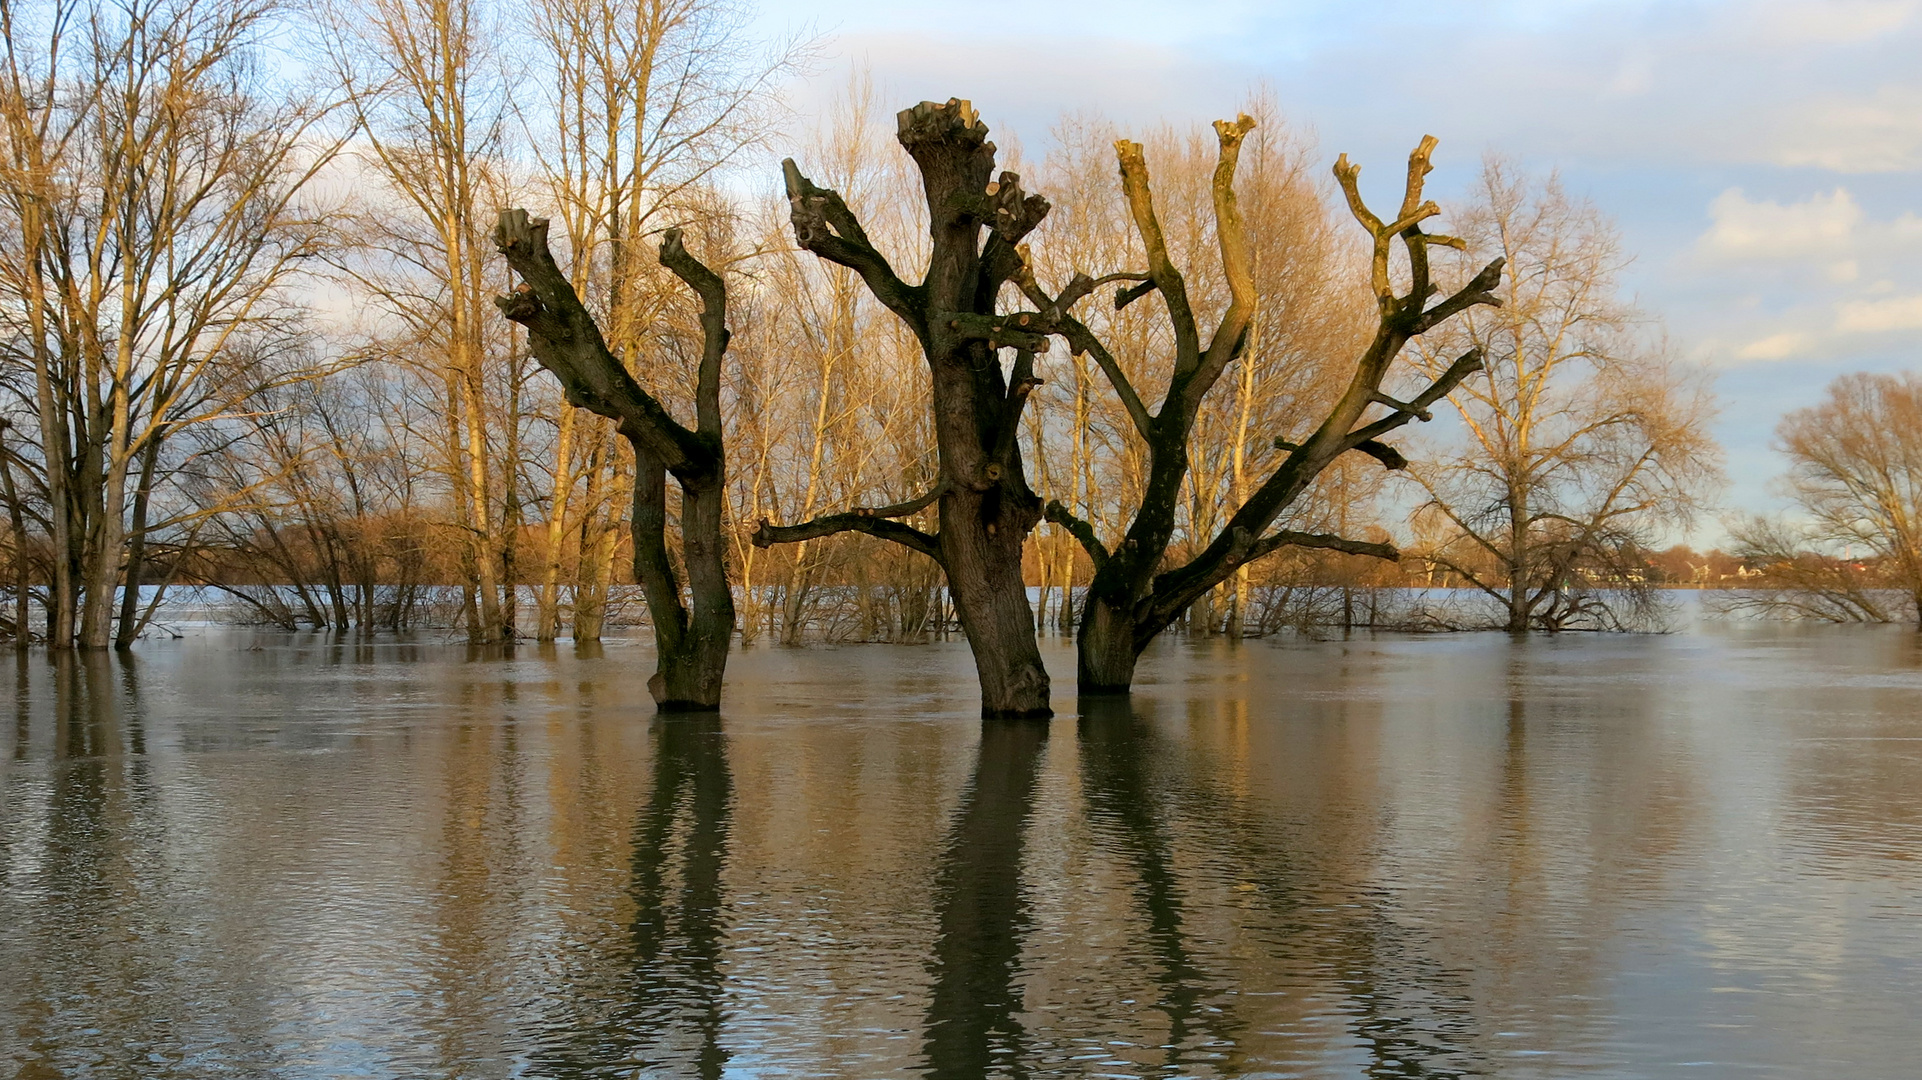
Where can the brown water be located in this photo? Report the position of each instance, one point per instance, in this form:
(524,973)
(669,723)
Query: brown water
(1626,857)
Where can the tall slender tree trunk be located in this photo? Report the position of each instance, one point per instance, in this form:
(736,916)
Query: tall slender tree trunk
(137,546)
(547,614)
(1519,613)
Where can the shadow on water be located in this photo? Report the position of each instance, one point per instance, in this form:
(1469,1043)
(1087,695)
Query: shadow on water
(982,910)
(665,1013)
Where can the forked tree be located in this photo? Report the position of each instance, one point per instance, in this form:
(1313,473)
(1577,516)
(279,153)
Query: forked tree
(692,636)
(1135,593)
(985,506)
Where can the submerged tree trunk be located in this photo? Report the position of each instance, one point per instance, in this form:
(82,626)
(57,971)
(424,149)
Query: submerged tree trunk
(691,640)
(137,547)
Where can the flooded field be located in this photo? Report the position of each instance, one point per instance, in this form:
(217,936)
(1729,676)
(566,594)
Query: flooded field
(268,855)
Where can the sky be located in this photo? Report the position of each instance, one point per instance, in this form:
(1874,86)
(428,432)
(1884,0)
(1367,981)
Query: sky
(1763,159)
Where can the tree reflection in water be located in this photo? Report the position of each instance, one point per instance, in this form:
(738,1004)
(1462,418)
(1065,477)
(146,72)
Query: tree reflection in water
(668,1014)
(1125,783)
(982,910)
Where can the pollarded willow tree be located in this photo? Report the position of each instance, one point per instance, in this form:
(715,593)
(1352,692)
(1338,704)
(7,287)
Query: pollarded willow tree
(1135,593)
(985,507)
(691,637)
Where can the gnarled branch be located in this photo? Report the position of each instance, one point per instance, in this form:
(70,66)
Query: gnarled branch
(1161,268)
(1389,457)
(1328,541)
(824,225)
(1465,365)
(1083,340)
(565,340)
(714,333)
(903,509)
(1479,290)
(1237,264)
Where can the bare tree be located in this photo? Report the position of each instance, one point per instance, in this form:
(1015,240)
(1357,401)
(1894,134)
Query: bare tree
(154,196)
(430,101)
(1856,477)
(1582,441)
(1134,595)
(1309,305)
(691,642)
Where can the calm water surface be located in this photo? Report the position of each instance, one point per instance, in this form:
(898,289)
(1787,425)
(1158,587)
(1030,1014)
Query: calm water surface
(281,856)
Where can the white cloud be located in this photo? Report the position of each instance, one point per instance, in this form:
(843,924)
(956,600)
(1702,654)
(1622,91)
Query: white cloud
(1879,316)
(1745,229)
(1833,21)
(1775,346)
(1876,133)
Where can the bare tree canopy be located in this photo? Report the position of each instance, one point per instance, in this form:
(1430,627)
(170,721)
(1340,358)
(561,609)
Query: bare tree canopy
(252,345)
(1853,553)
(153,202)
(1135,595)
(1581,441)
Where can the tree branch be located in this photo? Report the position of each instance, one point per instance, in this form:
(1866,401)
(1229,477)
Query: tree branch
(1237,264)
(903,509)
(1389,457)
(714,333)
(1465,365)
(1010,215)
(1083,340)
(564,339)
(1161,269)
(1479,290)
(767,535)
(824,225)
(1327,541)
(1080,530)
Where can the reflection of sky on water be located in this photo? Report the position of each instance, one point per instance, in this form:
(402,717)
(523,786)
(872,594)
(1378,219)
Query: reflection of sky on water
(1400,857)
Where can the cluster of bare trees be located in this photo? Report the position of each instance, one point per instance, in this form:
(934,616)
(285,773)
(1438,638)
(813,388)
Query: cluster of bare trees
(260,336)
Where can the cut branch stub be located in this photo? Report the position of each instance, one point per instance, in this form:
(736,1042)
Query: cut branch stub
(1013,214)
(1418,170)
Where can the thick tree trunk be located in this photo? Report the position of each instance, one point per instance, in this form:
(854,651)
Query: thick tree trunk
(106,545)
(982,554)
(690,647)
(1105,653)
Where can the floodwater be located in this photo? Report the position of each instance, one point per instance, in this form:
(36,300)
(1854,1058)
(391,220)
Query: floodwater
(284,856)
